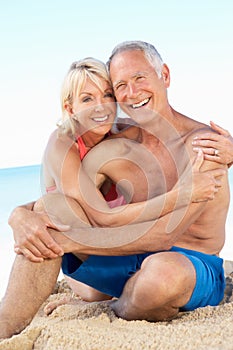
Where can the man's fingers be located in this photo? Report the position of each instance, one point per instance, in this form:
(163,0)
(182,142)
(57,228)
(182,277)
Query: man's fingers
(41,244)
(28,247)
(47,247)
(28,254)
(44,242)
(17,250)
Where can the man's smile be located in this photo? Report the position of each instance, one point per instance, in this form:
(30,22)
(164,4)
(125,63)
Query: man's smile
(140,104)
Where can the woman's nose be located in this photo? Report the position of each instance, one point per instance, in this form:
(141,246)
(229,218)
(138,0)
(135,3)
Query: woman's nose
(99,107)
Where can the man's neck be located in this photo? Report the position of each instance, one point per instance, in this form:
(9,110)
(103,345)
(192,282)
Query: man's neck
(161,126)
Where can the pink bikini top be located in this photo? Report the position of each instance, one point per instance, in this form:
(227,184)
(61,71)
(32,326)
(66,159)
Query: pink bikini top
(81,147)
(112,196)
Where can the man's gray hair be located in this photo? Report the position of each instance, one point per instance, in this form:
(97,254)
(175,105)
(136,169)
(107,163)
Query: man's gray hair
(149,50)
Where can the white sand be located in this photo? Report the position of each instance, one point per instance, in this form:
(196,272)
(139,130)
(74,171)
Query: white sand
(94,326)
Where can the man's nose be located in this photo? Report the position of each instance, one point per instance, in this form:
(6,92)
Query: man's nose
(132,89)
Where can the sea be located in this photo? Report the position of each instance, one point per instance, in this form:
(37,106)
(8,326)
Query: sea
(21,185)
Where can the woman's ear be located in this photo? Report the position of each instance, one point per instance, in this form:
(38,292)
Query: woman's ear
(166,75)
(68,108)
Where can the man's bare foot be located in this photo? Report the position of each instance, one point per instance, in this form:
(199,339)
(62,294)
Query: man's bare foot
(66,300)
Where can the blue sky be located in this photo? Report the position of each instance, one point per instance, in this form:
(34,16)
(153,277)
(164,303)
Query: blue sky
(40,39)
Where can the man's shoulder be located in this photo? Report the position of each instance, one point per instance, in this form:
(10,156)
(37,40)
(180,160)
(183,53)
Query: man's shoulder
(197,131)
(187,126)
(194,128)
(129,133)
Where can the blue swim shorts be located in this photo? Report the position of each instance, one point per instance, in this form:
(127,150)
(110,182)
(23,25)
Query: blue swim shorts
(108,274)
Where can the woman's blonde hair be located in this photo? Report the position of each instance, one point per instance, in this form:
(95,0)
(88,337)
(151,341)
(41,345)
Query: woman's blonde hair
(76,77)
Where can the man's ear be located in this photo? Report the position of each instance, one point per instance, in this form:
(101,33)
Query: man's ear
(166,75)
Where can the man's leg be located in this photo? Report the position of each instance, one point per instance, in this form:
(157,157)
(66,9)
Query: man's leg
(29,286)
(164,283)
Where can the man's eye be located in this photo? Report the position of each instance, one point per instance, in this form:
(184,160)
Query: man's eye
(120,86)
(140,78)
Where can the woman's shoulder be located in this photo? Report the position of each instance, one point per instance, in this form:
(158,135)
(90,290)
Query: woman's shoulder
(59,145)
(57,139)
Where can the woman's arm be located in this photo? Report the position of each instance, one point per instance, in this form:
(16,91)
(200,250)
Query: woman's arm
(216,147)
(34,248)
(63,161)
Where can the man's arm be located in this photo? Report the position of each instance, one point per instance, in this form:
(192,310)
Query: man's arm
(31,233)
(151,236)
(76,179)
(34,241)
(195,186)
(139,238)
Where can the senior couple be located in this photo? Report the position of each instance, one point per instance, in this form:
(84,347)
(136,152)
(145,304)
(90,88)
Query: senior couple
(134,210)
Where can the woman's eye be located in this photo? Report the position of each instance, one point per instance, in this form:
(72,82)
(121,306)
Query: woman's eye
(109,95)
(86,99)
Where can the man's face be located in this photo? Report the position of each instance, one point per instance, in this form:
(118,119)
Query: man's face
(137,87)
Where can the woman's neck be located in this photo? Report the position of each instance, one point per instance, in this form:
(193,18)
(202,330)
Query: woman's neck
(91,139)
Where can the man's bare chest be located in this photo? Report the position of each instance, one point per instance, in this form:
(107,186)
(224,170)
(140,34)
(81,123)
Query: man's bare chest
(145,172)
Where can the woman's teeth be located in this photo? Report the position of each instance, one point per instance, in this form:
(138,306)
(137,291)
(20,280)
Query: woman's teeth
(100,119)
(140,104)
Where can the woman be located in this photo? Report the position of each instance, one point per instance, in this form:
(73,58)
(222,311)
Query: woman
(89,108)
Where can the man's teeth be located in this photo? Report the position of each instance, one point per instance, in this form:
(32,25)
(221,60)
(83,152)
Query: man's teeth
(100,119)
(140,104)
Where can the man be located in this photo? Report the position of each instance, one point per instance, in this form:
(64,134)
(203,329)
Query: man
(176,255)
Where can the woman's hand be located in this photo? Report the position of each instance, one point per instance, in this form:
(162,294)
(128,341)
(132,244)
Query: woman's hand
(32,238)
(200,186)
(216,147)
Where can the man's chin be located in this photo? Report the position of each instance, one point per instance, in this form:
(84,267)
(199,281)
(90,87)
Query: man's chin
(141,115)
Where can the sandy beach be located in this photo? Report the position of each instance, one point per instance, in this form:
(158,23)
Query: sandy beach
(93,326)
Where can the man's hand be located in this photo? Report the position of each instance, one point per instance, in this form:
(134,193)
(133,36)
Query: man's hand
(32,238)
(201,186)
(216,147)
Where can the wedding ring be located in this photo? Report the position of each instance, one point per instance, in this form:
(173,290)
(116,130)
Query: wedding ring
(216,151)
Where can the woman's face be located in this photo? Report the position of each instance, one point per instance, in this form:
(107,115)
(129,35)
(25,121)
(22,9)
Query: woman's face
(94,107)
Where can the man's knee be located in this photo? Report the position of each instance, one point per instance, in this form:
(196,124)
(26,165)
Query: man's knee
(167,274)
